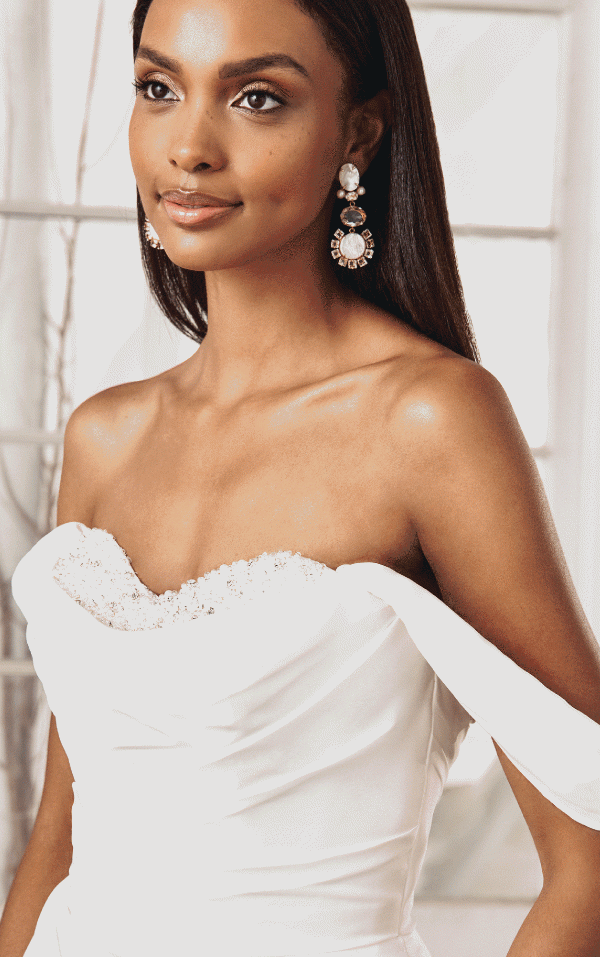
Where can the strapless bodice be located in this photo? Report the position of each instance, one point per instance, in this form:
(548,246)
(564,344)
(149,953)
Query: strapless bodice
(257,757)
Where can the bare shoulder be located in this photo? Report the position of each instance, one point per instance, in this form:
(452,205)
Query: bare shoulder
(107,415)
(448,403)
(453,426)
(432,400)
(98,435)
(449,383)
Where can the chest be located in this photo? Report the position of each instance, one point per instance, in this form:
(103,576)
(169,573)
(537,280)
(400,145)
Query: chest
(315,477)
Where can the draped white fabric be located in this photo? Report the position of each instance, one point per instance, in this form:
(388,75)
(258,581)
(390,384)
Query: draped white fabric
(261,779)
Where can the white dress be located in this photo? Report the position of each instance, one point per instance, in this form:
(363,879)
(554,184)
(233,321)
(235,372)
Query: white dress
(257,757)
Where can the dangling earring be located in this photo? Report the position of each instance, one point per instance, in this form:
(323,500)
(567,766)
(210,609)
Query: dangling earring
(351,249)
(151,236)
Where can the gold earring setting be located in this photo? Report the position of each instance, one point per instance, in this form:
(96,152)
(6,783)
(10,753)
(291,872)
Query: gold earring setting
(151,236)
(351,249)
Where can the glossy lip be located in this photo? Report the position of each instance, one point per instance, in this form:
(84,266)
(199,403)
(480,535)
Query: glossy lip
(193,197)
(192,215)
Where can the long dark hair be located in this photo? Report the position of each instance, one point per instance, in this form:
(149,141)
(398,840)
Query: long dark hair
(414,273)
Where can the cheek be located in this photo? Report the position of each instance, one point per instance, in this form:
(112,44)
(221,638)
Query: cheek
(297,171)
(144,147)
(135,147)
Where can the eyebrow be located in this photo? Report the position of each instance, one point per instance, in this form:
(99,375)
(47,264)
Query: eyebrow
(234,68)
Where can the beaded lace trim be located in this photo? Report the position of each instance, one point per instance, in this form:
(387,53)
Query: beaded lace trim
(98,575)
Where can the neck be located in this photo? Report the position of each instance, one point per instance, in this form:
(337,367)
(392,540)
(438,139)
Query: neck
(272,325)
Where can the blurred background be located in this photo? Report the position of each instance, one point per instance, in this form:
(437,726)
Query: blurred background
(515,88)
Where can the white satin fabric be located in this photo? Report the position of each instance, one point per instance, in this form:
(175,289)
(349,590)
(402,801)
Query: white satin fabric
(260,782)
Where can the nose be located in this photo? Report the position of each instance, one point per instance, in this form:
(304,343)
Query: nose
(195,143)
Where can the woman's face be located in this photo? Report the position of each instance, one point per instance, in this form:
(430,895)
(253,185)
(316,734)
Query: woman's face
(269,137)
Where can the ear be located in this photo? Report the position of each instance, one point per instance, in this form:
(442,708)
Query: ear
(369,122)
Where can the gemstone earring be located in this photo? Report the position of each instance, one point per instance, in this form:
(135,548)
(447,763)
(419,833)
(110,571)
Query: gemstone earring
(351,249)
(151,235)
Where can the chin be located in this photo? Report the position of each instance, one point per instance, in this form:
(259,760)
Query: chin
(188,260)
(191,258)
(185,254)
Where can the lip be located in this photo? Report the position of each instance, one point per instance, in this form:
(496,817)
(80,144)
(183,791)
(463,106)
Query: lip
(192,215)
(193,197)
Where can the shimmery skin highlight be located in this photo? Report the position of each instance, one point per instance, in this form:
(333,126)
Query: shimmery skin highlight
(206,24)
(420,410)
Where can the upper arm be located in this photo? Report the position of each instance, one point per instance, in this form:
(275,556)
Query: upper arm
(485,527)
(53,822)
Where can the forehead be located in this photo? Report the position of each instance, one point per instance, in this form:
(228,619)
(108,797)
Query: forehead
(203,34)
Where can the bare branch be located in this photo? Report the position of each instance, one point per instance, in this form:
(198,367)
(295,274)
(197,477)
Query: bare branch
(13,501)
(88,103)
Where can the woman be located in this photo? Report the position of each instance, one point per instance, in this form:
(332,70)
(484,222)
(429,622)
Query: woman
(367,554)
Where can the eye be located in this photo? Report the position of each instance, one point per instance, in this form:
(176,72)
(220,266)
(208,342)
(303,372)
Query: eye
(143,87)
(261,93)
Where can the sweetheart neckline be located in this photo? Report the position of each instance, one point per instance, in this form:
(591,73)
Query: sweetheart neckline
(78,609)
(224,567)
(44,549)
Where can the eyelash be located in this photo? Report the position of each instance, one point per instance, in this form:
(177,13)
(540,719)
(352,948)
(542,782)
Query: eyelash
(142,86)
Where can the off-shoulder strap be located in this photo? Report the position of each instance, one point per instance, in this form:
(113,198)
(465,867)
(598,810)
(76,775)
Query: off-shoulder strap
(553,744)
